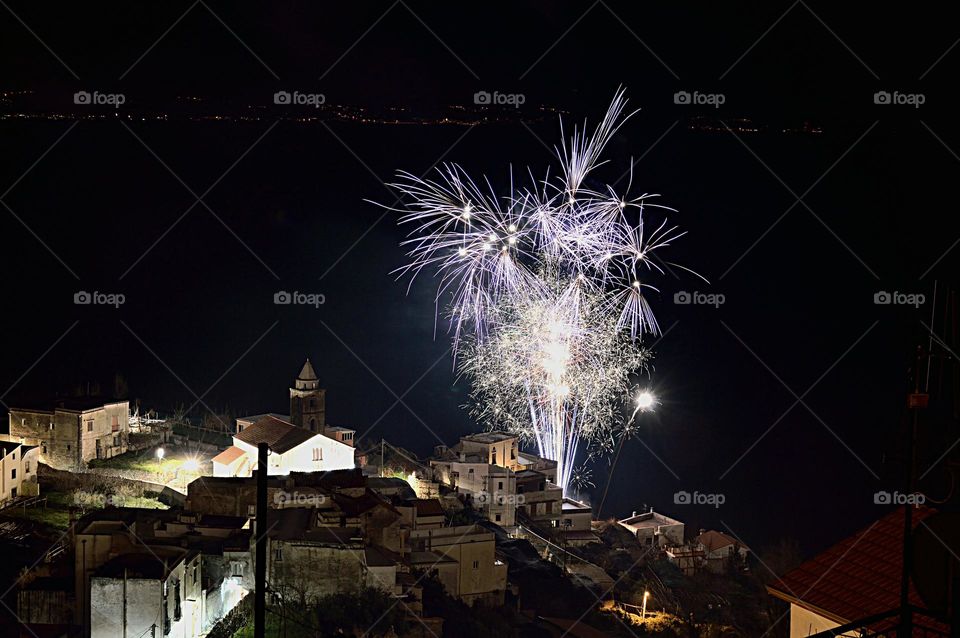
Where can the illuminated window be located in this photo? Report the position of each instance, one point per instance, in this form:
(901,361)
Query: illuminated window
(318,454)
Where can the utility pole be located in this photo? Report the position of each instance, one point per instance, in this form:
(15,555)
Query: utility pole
(260,572)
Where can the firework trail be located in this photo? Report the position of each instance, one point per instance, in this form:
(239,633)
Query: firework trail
(546,289)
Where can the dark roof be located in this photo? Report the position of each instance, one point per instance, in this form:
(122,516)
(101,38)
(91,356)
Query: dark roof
(8,446)
(280,435)
(355,506)
(74,404)
(253,418)
(296,524)
(857,577)
(378,558)
(154,565)
(428,507)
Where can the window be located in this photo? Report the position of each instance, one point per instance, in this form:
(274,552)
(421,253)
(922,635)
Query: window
(13,473)
(278,553)
(313,403)
(493,456)
(116,441)
(89,426)
(470,471)
(68,447)
(14,456)
(513,454)
(177,614)
(236,568)
(26,467)
(52,427)
(499,485)
(497,516)
(115,424)
(43,448)
(251,511)
(476,564)
(318,454)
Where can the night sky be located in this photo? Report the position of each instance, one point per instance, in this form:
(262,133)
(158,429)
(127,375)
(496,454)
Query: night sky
(797,225)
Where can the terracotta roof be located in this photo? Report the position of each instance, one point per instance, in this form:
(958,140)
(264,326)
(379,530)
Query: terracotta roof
(229,455)
(713,540)
(280,435)
(857,577)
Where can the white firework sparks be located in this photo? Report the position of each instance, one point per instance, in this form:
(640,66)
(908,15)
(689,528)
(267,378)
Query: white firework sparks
(547,293)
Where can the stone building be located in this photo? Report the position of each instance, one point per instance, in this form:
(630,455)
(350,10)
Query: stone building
(72,432)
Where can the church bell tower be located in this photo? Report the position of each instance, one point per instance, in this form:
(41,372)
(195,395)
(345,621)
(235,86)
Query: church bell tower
(308,400)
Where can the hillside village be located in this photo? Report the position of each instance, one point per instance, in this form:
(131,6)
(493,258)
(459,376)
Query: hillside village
(153,532)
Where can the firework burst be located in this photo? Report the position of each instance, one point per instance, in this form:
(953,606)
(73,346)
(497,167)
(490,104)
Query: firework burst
(546,290)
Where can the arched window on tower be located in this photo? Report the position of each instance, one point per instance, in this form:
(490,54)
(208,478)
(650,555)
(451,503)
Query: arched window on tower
(313,403)
(313,425)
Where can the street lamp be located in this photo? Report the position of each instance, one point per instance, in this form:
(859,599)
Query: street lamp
(643,614)
(645,401)
(160,454)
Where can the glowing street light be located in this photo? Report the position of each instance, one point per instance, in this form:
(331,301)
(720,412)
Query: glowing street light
(160,453)
(643,613)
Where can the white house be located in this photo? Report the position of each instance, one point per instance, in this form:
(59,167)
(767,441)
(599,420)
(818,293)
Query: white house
(18,470)
(652,528)
(718,548)
(292,449)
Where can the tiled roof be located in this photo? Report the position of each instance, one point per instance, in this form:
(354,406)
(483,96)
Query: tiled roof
(857,577)
(280,435)
(713,540)
(229,455)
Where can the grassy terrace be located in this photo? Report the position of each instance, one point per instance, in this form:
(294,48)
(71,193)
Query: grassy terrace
(56,514)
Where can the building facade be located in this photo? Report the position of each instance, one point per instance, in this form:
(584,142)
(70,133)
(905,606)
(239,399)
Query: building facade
(18,470)
(292,449)
(73,432)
